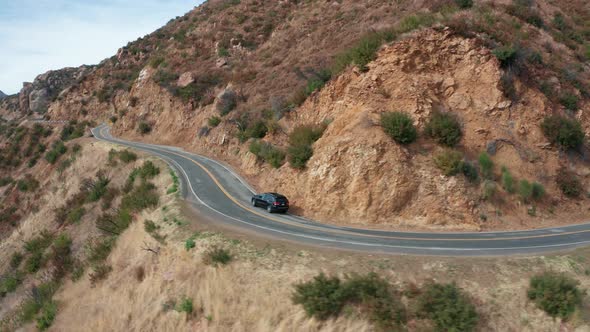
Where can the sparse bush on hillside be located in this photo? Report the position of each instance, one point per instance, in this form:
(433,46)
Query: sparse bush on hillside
(144,127)
(325,297)
(507,55)
(227,102)
(449,162)
(156,62)
(300,144)
(127,156)
(556,294)
(508,181)
(444,128)
(525,190)
(538,191)
(563,131)
(464,4)
(399,126)
(6,181)
(363,52)
(470,171)
(186,305)
(267,152)
(48,313)
(217,256)
(114,223)
(488,190)
(569,101)
(255,129)
(56,151)
(448,307)
(214,121)
(16,259)
(486,165)
(569,183)
(142,197)
(27,184)
(99,272)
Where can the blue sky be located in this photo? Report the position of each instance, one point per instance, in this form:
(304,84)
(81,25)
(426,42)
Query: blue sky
(39,35)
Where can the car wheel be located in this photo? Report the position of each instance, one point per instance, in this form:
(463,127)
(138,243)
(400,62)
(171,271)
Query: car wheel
(269,209)
(254,202)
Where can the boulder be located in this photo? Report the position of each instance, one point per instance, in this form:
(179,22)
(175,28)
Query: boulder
(185,79)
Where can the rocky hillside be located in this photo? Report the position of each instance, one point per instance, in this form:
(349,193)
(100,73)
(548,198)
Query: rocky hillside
(237,79)
(2,94)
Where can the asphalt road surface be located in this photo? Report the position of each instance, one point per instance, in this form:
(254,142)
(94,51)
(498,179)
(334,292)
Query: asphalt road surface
(218,191)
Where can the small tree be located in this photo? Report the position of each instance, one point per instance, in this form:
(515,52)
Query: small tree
(508,181)
(568,182)
(538,191)
(556,294)
(399,126)
(449,161)
(525,190)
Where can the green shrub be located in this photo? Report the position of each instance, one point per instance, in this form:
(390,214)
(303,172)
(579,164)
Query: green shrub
(363,52)
(189,243)
(156,62)
(27,184)
(464,4)
(5,181)
(321,298)
(127,156)
(449,162)
(214,121)
(507,55)
(48,313)
(75,215)
(56,151)
(175,183)
(9,284)
(98,249)
(525,190)
(508,181)
(43,295)
(99,272)
(444,128)
(217,256)
(227,102)
(488,190)
(148,170)
(569,101)
(39,243)
(150,226)
(538,191)
(556,294)
(563,131)
(448,307)
(470,171)
(569,183)
(399,126)
(97,188)
(486,165)
(186,305)
(34,262)
(142,197)
(300,141)
(267,152)
(144,127)
(15,260)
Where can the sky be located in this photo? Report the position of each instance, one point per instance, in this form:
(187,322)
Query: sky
(40,35)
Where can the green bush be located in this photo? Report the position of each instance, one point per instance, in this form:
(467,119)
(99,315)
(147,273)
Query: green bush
(363,52)
(9,284)
(144,127)
(142,197)
(464,4)
(75,215)
(563,131)
(34,262)
(556,294)
(399,126)
(508,181)
(321,298)
(486,165)
(98,249)
(186,305)
(470,171)
(300,141)
(56,151)
(97,188)
(127,156)
(449,162)
(5,181)
(15,260)
(525,190)
(148,170)
(48,313)
(189,243)
(217,256)
(444,128)
(448,307)
(488,190)
(99,272)
(43,296)
(507,55)
(39,243)
(569,101)
(27,184)
(214,121)
(267,152)
(538,191)
(569,183)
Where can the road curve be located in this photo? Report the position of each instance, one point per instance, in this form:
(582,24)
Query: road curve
(218,191)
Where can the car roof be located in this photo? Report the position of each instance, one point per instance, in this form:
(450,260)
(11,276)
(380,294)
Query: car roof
(276,195)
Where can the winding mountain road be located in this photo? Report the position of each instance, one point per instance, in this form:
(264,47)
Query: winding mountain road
(218,191)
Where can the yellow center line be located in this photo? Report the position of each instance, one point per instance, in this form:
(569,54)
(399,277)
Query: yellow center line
(269,217)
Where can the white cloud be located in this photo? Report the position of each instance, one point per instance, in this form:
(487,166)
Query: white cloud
(39,35)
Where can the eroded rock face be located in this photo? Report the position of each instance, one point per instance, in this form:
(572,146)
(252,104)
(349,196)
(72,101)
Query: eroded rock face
(2,94)
(36,96)
(185,79)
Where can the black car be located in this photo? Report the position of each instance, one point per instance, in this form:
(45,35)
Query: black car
(273,202)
